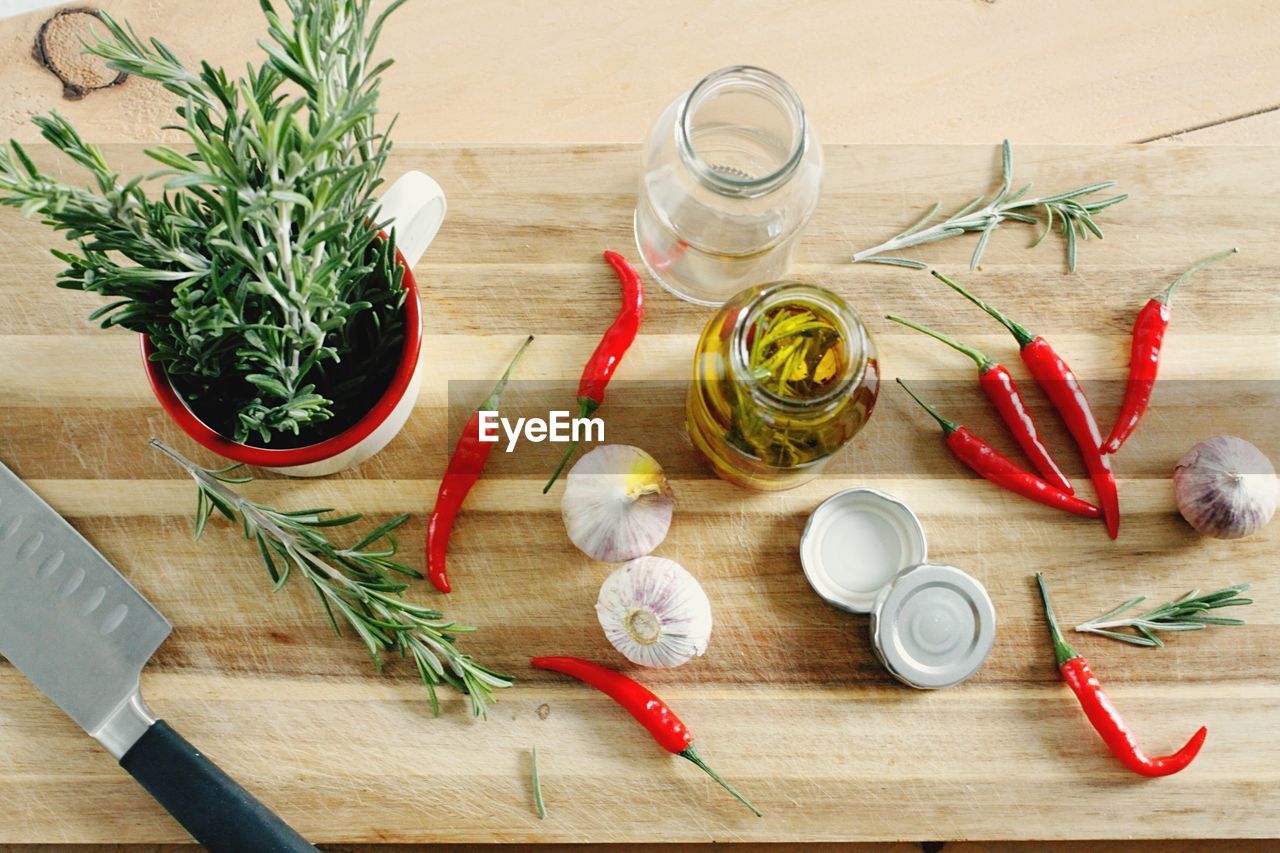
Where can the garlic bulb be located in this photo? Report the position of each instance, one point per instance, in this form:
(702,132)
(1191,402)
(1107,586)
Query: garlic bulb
(617,503)
(1226,487)
(655,612)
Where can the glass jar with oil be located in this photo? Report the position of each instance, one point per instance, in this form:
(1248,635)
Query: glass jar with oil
(784,375)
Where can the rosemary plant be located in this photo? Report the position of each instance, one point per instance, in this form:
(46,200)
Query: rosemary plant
(254,271)
(355,582)
(1188,613)
(1069,210)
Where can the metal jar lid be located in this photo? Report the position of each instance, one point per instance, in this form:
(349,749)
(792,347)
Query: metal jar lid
(856,541)
(933,626)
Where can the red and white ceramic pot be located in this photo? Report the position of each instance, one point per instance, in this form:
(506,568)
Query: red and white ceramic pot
(415,206)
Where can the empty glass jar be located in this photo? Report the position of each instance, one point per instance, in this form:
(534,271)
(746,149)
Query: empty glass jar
(732,172)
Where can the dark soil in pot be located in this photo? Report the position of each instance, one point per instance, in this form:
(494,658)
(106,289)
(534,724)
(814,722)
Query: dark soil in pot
(373,340)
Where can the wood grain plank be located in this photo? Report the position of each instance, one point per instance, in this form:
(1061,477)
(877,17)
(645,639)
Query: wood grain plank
(1095,846)
(810,847)
(505,246)
(613,788)
(789,701)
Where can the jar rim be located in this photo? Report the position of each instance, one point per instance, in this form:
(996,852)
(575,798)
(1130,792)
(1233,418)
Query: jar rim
(718,180)
(826,299)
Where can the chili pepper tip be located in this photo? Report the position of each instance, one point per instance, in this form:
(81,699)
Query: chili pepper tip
(1197,739)
(1167,765)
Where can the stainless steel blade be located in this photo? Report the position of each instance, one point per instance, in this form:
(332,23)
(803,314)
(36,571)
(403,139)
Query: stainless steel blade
(70,622)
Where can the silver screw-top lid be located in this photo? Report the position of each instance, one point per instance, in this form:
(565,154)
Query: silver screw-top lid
(856,541)
(933,626)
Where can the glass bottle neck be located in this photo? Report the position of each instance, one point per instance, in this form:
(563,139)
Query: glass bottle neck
(742,131)
(822,302)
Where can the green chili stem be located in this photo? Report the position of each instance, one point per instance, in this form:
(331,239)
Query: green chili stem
(1020,332)
(979,358)
(1167,294)
(585,407)
(948,426)
(490,403)
(1061,649)
(691,754)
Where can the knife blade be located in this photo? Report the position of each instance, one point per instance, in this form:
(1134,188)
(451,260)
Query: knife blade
(81,633)
(70,622)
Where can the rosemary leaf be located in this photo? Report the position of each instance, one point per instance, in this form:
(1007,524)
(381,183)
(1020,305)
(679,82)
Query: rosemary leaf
(985,216)
(354,582)
(1188,613)
(1137,640)
(1149,635)
(537,785)
(1215,620)
(923,221)
(898,262)
(1133,602)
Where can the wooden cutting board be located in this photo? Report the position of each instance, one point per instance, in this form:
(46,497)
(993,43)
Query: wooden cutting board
(789,702)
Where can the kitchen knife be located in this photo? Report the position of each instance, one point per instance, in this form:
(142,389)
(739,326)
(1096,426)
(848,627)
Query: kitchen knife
(74,626)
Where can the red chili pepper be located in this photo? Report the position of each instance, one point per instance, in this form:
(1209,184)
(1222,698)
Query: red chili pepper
(608,353)
(463,471)
(999,469)
(997,383)
(1103,715)
(1144,357)
(1060,385)
(650,711)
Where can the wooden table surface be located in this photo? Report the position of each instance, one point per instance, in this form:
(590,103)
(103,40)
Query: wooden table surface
(908,71)
(789,702)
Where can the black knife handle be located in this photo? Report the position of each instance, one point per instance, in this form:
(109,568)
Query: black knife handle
(217,812)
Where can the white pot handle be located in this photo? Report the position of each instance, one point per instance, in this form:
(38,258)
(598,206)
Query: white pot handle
(415,207)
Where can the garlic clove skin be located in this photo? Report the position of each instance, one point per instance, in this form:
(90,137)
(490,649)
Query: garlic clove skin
(1225,487)
(655,613)
(617,503)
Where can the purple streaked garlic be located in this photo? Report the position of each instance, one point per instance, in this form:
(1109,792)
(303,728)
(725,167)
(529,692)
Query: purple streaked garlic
(654,612)
(1225,487)
(617,503)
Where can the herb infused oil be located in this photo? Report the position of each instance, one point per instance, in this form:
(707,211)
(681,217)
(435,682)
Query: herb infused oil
(784,375)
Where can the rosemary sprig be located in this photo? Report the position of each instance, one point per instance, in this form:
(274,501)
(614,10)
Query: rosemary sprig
(252,269)
(1189,613)
(1069,210)
(784,343)
(354,581)
(537,786)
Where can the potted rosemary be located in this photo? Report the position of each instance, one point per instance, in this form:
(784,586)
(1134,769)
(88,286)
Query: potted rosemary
(274,293)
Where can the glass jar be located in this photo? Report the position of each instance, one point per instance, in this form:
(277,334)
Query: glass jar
(731,174)
(783,376)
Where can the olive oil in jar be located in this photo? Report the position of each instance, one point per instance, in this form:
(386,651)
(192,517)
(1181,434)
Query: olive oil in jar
(784,375)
